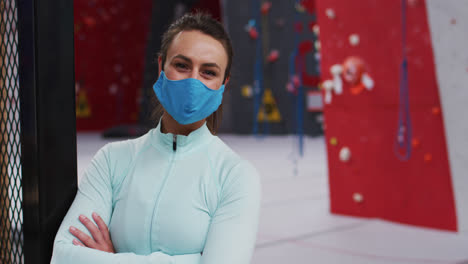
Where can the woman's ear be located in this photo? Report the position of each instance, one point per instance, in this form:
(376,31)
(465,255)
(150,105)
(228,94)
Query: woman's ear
(160,65)
(227,80)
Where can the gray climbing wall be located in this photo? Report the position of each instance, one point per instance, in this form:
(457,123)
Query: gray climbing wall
(278,27)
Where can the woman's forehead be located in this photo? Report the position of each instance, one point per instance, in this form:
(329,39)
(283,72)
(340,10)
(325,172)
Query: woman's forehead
(199,47)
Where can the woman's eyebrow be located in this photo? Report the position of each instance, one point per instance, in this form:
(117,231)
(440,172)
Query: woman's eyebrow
(212,64)
(180,56)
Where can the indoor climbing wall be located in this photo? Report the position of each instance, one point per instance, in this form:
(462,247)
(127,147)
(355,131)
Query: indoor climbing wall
(449,23)
(275,74)
(386,126)
(110,43)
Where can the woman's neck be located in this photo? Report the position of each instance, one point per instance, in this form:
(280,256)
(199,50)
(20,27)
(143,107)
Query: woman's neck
(169,125)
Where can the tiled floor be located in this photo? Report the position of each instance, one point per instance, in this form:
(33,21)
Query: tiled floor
(295,224)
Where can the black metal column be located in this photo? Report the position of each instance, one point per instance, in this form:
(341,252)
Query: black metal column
(48,129)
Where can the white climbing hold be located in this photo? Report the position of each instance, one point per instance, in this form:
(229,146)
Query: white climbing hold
(354,39)
(336,71)
(327,87)
(358,198)
(345,154)
(330,13)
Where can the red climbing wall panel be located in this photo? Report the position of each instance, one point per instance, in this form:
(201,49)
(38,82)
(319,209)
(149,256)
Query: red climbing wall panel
(374,182)
(110,42)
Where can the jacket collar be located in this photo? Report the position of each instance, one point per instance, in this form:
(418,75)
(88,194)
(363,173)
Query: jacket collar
(194,140)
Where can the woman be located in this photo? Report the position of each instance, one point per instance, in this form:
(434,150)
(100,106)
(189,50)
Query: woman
(177,194)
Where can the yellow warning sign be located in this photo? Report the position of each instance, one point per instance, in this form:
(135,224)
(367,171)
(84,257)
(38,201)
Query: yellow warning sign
(82,106)
(269,111)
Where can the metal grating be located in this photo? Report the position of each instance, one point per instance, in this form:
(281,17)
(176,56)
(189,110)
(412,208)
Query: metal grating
(11,212)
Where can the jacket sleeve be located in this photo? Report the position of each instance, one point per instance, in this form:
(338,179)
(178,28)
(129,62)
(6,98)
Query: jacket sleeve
(95,195)
(233,230)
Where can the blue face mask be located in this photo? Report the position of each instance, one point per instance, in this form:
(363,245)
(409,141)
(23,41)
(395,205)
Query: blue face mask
(187,100)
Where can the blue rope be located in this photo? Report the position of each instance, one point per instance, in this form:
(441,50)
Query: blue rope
(404,133)
(258,68)
(300,94)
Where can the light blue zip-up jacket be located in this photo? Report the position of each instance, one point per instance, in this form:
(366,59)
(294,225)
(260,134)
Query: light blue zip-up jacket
(166,198)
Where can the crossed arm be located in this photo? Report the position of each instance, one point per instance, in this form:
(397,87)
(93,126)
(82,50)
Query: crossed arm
(84,237)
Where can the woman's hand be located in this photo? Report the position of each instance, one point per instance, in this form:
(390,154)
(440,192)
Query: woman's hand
(101,238)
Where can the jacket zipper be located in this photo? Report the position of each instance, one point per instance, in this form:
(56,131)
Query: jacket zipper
(156,207)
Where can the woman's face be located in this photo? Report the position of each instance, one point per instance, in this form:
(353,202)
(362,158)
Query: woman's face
(193,54)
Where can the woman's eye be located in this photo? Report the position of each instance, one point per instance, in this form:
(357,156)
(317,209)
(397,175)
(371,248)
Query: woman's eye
(181,66)
(210,73)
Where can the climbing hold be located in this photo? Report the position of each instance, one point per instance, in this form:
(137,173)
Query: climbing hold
(333,141)
(317,45)
(316,29)
(299,7)
(353,69)
(354,72)
(367,81)
(415,143)
(345,154)
(250,25)
(266,6)
(89,21)
(253,33)
(113,89)
(336,71)
(317,57)
(428,157)
(358,198)
(290,87)
(354,39)
(247,91)
(413,3)
(330,13)
(435,110)
(328,86)
(296,80)
(273,56)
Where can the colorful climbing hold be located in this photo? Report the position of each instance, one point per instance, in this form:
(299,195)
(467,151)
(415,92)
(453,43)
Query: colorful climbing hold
(247,91)
(333,141)
(316,29)
(415,143)
(428,157)
(253,33)
(265,9)
(273,56)
(300,8)
(296,80)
